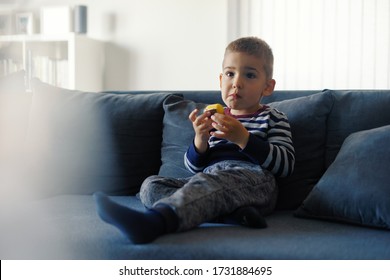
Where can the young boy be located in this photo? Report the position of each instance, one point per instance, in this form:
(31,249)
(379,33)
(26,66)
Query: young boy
(235,157)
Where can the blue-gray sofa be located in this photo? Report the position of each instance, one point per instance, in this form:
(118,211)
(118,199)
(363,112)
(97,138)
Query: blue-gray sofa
(65,145)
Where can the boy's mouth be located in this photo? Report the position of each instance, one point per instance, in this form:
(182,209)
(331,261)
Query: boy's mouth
(234,95)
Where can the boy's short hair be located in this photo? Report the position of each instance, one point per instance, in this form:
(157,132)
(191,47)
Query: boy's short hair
(256,47)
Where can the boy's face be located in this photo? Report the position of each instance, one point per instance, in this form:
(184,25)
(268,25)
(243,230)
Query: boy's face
(243,82)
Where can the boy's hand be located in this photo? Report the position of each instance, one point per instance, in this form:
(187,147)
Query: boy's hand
(230,129)
(202,125)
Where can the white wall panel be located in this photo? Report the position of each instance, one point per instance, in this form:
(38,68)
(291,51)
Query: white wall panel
(321,43)
(155,44)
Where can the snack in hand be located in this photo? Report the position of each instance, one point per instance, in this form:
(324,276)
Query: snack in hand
(215,108)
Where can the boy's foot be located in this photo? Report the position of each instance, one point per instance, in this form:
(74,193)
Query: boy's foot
(139,227)
(247,216)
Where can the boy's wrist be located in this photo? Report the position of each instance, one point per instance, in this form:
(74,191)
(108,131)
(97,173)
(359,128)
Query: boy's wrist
(201,146)
(244,140)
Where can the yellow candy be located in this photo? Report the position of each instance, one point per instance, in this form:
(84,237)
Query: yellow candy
(215,108)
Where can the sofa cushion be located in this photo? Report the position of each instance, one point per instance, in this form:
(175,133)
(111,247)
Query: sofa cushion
(355,188)
(14,109)
(70,229)
(80,142)
(177,135)
(307,116)
(354,111)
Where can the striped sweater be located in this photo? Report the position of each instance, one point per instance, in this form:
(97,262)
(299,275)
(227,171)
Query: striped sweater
(269,145)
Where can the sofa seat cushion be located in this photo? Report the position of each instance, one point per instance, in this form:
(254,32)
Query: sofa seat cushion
(307,116)
(355,188)
(69,228)
(82,142)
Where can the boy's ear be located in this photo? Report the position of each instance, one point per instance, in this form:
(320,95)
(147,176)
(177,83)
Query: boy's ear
(220,80)
(270,87)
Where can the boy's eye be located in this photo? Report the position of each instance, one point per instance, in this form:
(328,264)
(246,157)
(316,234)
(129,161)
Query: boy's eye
(251,75)
(229,74)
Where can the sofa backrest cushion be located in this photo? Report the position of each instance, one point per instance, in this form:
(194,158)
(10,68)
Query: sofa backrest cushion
(355,188)
(14,110)
(82,142)
(307,116)
(177,135)
(355,111)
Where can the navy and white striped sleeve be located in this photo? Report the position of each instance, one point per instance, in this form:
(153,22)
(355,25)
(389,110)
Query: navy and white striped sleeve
(194,161)
(277,153)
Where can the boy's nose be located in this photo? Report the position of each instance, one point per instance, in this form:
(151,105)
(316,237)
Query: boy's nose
(237,83)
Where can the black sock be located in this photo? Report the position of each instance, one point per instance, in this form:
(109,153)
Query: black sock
(139,227)
(248,216)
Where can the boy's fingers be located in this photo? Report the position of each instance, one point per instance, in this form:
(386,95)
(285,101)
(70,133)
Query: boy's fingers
(193,114)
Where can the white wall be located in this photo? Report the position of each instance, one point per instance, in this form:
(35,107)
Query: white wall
(179,44)
(320,43)
(156,44)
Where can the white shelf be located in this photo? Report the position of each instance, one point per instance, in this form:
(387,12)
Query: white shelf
(69,60)
(41,37)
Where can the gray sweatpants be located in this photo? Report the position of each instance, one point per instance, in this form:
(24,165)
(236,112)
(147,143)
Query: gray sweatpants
(217,191)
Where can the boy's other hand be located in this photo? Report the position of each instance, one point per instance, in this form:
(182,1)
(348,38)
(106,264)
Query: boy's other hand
(230,129)
(202,125)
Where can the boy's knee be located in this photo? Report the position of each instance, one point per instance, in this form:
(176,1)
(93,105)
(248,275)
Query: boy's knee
(146,191)
(150,179)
